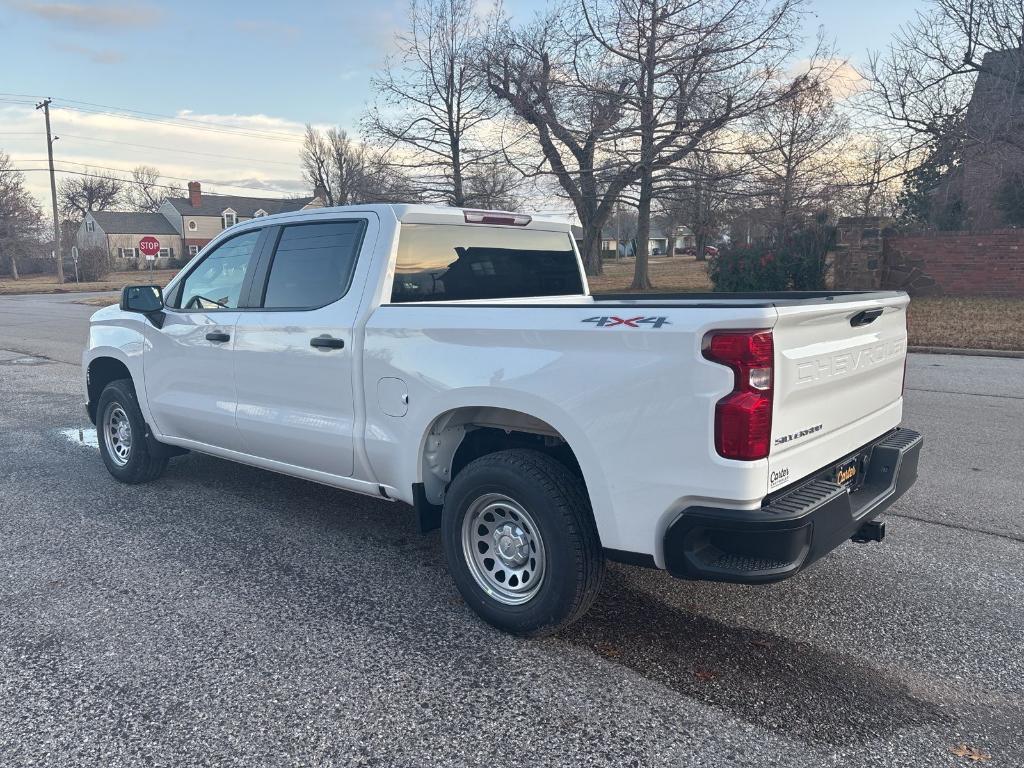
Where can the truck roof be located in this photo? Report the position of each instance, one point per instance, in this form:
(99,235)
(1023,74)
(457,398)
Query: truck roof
(419,213)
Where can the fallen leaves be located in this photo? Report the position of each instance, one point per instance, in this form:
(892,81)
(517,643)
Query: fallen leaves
(971,753)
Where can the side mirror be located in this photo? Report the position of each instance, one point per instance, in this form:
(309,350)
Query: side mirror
(147,300)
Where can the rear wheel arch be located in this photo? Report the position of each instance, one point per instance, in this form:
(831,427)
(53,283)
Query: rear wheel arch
(457,437)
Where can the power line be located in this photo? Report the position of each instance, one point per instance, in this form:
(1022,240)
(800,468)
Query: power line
(280,134)
(227,130)
(129,170)
(160,186)
(176,151)
(90,107)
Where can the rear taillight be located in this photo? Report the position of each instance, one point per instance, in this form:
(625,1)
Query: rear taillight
(743,418)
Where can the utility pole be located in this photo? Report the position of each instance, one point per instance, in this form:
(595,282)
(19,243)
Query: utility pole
(45,106)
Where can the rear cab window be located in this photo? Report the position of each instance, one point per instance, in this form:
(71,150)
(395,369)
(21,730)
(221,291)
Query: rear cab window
(450,262)
(313,264)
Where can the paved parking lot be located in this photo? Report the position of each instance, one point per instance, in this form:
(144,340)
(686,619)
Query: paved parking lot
(225,615)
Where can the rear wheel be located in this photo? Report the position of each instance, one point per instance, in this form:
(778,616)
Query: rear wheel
(521,543)
(122,435)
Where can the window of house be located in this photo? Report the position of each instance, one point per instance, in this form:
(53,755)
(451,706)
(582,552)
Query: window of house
(193,250)
(127,253)
(313,264)
(442,262)
(228,218)
(164,253)
(192,225)
(259,213)
(90,226)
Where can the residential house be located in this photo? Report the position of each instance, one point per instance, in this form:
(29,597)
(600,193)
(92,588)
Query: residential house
(120,232)
(199,218)
(657,242)
(183,225)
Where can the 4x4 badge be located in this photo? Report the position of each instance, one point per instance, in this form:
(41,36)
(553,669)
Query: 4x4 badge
(629,322)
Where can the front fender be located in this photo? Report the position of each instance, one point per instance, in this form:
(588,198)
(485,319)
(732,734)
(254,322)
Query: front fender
(117,335)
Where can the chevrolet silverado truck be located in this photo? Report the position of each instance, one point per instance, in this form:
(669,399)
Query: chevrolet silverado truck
(456,361)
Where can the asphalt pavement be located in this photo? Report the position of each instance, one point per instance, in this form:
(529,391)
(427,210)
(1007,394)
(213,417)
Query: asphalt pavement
(228,616)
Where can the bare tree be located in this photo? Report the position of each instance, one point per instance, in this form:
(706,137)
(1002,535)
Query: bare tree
(697,193)
(555,79)
(495,186)
(796,149)
(144,192)
(643,84)
(431,115)
(20,216)
(924,82)
(925,79)
(349,173)
(91,191)
(694,69)
(872,171)
(315,159)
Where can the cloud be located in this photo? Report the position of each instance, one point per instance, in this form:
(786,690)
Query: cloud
(96,56)
(79,16)
(842,77)
(265,163)
(847,82)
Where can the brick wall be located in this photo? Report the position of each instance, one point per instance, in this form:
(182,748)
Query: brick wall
(955,263)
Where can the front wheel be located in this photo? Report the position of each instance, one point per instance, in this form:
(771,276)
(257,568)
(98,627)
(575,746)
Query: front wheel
(121,433)
(521,542)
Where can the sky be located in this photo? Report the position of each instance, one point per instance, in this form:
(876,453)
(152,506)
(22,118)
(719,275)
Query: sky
(239,80)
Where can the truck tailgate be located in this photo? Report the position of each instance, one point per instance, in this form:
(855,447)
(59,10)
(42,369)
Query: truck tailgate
(838,381)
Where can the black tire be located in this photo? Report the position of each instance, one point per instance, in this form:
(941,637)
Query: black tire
(556,499)
(138,465)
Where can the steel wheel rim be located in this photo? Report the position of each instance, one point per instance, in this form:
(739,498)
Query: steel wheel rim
(117,434)
(503,549)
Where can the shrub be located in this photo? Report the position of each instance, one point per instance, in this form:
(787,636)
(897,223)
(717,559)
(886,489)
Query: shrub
(754,267)
(93,264)
(796,261)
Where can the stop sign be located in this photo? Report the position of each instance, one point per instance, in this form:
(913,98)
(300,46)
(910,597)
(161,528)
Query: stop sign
(149,246)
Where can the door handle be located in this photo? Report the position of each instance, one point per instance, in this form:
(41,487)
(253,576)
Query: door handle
(218,336)
(866,317)
(327,342)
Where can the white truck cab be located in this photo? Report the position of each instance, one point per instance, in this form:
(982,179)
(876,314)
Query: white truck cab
(456,361)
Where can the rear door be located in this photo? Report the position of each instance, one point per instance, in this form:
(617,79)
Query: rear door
(294,347)
(838,380)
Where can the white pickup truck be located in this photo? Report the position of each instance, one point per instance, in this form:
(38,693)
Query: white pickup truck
(455,360)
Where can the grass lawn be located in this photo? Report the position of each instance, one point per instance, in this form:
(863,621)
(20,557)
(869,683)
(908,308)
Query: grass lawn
(976,323)
(115,281)
(670,274)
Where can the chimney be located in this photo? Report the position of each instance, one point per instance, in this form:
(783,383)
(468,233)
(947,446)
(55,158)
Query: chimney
(195,194)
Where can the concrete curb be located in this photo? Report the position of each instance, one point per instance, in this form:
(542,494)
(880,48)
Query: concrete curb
(969,352)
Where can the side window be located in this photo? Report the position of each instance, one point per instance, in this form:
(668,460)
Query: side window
(216,282)
(444,262)
(313,264)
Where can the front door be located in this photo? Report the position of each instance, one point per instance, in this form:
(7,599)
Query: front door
(294,354)
(188,363)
